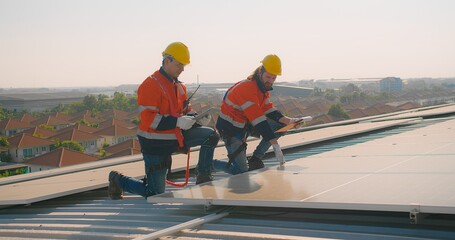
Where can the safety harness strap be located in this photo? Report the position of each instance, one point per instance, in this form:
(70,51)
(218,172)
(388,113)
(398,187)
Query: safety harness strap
(233,155)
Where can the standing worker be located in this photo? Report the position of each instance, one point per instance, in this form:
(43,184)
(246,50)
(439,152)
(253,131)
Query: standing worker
(247,110)
(166,126)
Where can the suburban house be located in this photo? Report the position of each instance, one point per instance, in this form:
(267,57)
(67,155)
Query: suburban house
(90,142)
(24,146)
(116,134)
(10,127)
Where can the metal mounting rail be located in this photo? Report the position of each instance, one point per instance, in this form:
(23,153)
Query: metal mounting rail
(185,225)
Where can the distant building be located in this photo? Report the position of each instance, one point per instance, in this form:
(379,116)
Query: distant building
(390,84)
(37,102)
(291,91)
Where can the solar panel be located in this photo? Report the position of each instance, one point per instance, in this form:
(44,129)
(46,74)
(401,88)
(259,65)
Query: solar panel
(83,180)
(423,112)
(412,171)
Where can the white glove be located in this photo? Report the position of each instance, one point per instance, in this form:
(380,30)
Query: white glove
(302,119)
(205,120)
(185,122)
(278,154)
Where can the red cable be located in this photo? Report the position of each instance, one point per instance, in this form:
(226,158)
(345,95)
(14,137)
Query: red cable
(187,173)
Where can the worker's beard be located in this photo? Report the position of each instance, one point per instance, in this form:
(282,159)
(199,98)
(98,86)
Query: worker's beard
(268,86)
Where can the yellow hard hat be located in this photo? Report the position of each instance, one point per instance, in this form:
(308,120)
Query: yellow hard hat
(179,52)
(272,64)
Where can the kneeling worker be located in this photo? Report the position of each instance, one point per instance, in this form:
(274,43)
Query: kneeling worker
(245,109)
(166,126)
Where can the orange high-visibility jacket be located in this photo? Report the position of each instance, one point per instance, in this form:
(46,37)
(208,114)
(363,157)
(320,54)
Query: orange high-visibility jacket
(154,98)
(247,102)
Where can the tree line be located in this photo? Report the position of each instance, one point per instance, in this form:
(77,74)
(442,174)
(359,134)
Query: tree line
(96,104)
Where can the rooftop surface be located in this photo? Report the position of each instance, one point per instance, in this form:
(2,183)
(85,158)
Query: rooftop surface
(336,168)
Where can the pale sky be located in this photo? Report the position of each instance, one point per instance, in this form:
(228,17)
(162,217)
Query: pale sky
(85,43)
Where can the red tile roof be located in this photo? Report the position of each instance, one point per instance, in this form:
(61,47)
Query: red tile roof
(27,117)
(408,105)
(40,132)
(114,121)
(76,135)
(86,115)
(62,116)
(325,118)
(61,157)
(124,152)
(79,126)
(356,113)
(26,140)
(50,121)
(114,113)
(384,108)
(130,143)
(115,131)
(371,111)
(10,124)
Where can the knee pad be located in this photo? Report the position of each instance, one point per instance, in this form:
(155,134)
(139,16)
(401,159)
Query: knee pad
(212,140)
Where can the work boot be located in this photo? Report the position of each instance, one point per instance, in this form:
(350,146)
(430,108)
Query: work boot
(203,178)
(115,192)
(254,163)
